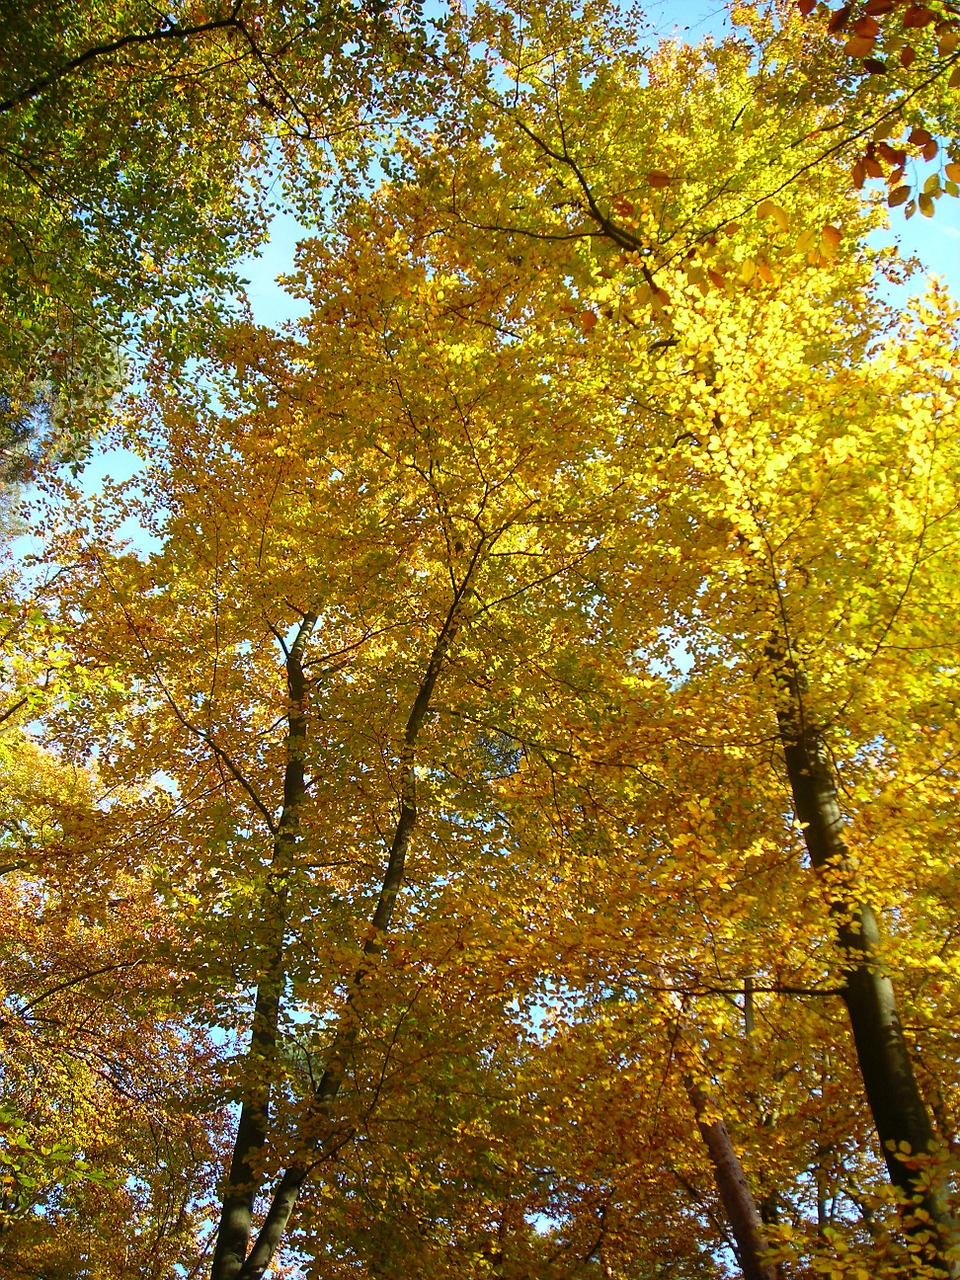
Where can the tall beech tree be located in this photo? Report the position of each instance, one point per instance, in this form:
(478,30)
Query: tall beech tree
(509,633)
(561,118)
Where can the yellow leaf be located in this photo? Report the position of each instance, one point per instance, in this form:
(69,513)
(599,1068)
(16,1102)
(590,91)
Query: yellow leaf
(767,209)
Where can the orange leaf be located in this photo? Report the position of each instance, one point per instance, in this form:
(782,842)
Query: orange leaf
(859,46)
(588,320)
(806,7)
(907,55)
(952,170)
(657,178)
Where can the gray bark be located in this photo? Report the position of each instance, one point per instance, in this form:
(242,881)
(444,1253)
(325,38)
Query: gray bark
(899,1112)
(237,1263)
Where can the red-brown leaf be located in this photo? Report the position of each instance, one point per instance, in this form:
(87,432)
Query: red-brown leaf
(839,19)
(918,15)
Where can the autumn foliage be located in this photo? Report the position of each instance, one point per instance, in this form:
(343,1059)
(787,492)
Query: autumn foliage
(481,800)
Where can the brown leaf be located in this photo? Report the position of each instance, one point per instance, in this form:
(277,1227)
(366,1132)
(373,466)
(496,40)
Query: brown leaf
(892,155)
(867,27)
(839,19)
(657,178)
(918,15)
(899,195)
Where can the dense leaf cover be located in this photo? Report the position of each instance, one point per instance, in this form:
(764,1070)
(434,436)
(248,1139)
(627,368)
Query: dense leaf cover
(498,816)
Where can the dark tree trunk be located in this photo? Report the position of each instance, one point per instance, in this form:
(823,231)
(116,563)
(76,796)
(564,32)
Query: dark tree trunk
(244,1181)
(899,1112)
(235,1257)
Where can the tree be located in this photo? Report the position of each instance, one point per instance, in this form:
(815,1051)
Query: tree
(561,114)
(140,152)
(404,685)
(101,1076)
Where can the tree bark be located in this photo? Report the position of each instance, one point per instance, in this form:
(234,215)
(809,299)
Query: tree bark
(899,1112)
(736,1197)
(735,1194)
(233,1261)
(244,1180)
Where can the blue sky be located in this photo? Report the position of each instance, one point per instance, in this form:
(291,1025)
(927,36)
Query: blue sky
(935,241)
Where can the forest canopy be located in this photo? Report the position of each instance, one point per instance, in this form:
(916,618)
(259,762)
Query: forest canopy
(481,800)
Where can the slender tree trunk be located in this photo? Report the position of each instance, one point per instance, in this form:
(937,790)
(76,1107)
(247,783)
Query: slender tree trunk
(232,1261)
(735,1194)
(899,1112)
(244,1179)
(736,1197)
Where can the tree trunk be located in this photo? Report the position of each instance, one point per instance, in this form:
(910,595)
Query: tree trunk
(736,1197)
(899,1112)
(235,1259)
(244,1180)
(735,1194)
